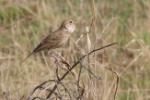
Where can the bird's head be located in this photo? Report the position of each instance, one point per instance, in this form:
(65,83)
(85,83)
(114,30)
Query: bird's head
(68,25)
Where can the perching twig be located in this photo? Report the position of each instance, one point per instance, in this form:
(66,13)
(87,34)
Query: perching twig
(58,82)
(74,65)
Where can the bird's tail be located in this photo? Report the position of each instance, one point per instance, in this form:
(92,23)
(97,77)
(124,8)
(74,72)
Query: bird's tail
(26,58)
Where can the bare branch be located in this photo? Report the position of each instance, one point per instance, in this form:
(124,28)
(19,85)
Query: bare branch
(75,64)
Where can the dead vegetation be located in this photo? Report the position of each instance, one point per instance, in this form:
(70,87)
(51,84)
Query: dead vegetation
(119,72)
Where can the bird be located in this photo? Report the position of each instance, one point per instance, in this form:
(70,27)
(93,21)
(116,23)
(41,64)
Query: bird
(56,39)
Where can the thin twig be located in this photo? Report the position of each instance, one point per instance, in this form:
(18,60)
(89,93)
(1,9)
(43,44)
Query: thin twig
(75,64)
(39,98)
(117,81)
(38,87)
(80,89)
(66,90)
(90,72)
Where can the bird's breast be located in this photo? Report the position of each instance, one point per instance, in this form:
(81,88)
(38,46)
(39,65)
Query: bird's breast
(64,39)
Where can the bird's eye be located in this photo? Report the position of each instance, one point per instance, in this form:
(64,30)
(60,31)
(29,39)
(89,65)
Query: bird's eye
(70,21)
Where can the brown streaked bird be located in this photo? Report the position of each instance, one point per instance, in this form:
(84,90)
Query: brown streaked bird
(56,39)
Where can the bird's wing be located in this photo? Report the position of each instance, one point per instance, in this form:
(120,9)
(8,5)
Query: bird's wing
(43,44)
(50,42)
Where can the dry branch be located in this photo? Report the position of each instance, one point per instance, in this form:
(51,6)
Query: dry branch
(55,90)
(75,64)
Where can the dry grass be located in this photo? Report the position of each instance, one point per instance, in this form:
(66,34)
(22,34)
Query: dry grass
(24,22)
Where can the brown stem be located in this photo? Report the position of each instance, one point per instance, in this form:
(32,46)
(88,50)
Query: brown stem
(74,65)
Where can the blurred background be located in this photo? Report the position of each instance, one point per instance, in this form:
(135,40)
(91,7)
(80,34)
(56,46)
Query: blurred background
(23,23)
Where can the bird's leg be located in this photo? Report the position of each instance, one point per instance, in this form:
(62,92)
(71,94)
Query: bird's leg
(59,59)
(66,64)
(56,61)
